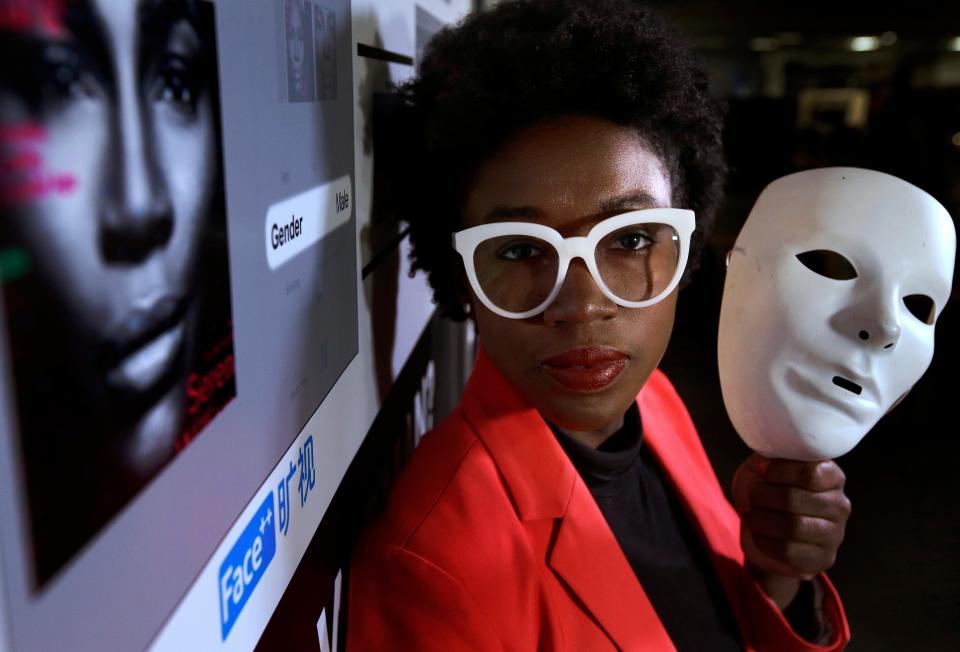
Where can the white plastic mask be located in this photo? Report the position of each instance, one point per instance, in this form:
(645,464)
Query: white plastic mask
(831,296)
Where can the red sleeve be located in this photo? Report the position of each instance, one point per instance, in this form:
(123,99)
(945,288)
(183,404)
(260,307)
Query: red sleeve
(771,631)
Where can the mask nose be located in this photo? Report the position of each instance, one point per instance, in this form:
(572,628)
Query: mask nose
(879,325)
(885,335)
(872,320)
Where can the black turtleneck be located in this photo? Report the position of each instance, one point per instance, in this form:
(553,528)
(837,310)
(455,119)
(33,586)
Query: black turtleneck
(656,537)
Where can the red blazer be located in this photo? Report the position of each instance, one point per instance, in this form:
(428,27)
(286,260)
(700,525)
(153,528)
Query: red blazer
(491,541)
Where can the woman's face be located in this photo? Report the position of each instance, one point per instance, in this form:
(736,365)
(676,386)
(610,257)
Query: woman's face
(582,361)
(122,111)
(295,39)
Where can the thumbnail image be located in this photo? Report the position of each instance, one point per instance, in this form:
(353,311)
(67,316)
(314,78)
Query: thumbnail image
(299,50)
(113,253)
(325,34)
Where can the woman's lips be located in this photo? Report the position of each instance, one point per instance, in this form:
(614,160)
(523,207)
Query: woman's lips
(141,369)
(586,370)
(145,344)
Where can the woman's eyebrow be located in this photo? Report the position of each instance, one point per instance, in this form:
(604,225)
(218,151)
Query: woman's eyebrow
(639,199)
(83,35)
(157,18)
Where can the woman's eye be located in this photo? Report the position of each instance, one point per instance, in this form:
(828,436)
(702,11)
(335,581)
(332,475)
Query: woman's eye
(828,263)
(519,251)
(636,241)
(65,77)
(177,84)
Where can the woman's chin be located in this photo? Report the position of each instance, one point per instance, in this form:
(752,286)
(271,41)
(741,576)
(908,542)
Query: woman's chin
(151,440)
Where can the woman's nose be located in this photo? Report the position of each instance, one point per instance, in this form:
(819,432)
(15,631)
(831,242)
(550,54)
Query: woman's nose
(580,299)
(137,215)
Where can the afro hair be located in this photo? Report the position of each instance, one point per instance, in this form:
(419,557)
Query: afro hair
(526,61)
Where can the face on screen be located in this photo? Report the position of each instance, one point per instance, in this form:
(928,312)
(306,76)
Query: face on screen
(113,253)
(110,149)
(295,40)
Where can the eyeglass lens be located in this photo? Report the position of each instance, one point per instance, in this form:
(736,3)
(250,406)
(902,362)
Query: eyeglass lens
(636,262)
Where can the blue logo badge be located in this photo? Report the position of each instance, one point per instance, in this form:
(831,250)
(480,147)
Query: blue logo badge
(246,563)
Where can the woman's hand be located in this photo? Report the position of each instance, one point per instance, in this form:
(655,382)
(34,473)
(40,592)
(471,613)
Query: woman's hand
(793,515)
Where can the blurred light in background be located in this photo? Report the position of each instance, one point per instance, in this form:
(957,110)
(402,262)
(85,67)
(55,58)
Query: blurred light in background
(864,43)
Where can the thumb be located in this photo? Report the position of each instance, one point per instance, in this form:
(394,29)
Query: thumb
(752,469)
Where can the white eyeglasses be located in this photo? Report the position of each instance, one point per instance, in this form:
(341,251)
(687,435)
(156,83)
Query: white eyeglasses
(517,268)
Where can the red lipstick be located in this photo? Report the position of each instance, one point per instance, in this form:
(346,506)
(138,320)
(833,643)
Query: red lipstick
(586,370)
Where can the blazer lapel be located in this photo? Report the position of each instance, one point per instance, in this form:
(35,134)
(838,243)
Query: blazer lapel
(672,438)
(544,485)
(535,470)
(588,558)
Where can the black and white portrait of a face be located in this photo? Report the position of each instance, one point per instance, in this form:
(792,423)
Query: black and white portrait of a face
(299,48)
(113,241)
(325,33)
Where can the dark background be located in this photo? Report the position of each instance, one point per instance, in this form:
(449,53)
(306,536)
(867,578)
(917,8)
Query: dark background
(899,567)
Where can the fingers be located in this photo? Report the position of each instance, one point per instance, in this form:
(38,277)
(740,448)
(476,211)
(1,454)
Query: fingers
(748,473)
(805,488)
(832,504)
(812,476)
(792,528)
(771,558)
(788,559)
(793,514)
(804,560)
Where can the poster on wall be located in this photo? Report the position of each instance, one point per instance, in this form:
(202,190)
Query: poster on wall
(178,290)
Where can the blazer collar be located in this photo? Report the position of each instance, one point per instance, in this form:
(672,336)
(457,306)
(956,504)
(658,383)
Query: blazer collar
(687,466)
(544,484)
(535,469)
(688,469)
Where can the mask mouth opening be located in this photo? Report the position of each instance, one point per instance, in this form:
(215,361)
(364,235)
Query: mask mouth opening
(848,385)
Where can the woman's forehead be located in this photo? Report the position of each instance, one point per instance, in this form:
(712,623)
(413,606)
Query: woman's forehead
(567,168)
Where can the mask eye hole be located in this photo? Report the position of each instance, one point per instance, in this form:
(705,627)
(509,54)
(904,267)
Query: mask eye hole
(828,263)
(920,306)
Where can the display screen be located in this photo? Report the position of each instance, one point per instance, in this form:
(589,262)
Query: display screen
(179,294)
(115,261)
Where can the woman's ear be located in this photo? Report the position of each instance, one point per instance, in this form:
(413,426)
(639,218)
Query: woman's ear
(466,300)
(461,285)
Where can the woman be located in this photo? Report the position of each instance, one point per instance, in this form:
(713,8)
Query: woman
(567,503)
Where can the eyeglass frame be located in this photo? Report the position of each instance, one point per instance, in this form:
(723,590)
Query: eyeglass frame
(682,220)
